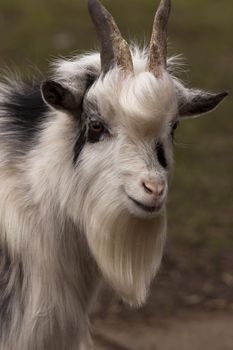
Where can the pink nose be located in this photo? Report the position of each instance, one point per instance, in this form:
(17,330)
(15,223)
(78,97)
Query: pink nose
(154,188)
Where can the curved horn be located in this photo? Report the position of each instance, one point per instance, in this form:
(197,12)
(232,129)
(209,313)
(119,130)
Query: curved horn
(114,49)
(157,60)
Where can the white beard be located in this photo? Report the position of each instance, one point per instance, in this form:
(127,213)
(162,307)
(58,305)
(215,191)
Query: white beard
(127,249)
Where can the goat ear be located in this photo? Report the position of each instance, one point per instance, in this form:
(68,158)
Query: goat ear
(58,96)
(194,103)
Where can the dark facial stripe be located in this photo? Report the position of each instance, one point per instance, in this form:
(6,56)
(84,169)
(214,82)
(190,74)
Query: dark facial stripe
(79,144)
(161,155)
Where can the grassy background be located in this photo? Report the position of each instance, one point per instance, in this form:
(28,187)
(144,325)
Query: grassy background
(201,197)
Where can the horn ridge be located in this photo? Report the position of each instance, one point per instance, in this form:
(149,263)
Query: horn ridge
(157,60)
(113,48)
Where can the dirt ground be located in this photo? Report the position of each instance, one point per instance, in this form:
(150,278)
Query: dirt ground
(189,331)
(190,308)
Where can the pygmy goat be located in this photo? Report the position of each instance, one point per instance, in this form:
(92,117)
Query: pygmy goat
(84,164)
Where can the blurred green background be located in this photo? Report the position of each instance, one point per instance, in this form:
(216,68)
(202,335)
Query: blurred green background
(200,237)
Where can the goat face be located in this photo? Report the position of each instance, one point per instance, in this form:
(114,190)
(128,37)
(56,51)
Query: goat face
(122,156)
(129,125)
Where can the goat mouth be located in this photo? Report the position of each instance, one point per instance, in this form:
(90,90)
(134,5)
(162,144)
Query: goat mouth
(147,208)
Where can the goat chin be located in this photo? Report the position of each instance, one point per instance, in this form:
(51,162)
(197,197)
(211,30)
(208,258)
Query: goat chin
(127,249)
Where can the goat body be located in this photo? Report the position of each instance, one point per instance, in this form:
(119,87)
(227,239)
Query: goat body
(84,165)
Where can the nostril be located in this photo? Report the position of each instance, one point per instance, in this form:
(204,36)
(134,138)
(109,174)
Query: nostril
(160,189)
(147,188)
(154,188)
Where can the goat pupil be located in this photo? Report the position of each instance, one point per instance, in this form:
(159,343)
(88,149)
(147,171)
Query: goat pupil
(161,154)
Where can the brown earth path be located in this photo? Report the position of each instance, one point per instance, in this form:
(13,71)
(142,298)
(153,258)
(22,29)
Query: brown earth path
(189,331)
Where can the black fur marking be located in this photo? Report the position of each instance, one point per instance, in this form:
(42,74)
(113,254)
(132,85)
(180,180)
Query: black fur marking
(11,280)
(79,144)
(81,139)
(161,155)
(90,79)
(26,111)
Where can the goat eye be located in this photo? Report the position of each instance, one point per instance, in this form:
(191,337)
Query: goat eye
(95,131)
(174,127)
(96,127)
(160,152)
